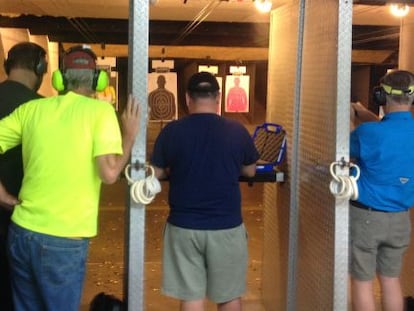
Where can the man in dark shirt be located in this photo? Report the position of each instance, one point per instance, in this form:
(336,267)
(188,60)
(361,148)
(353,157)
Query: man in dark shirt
(25,66)
(205,241)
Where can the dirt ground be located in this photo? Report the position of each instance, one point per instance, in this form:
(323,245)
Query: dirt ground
(105,268)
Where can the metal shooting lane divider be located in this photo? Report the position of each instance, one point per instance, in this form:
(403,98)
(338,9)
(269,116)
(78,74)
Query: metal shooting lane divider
(343,82)
(138,41)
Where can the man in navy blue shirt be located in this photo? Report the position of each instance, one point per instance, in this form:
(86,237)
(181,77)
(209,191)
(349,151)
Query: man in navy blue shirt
(205,243)
(380,220)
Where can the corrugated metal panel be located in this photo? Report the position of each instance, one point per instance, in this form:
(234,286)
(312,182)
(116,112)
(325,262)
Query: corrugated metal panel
(275,253)
(280,109)
(313,106)
(317,150)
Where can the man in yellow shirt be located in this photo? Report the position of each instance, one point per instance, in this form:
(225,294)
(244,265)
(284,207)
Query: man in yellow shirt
(71,144)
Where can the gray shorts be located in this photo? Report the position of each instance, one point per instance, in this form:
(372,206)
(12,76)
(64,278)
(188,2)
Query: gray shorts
(378,241)
(204,263)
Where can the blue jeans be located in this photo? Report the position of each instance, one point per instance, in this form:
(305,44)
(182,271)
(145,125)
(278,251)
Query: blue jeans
(47,272)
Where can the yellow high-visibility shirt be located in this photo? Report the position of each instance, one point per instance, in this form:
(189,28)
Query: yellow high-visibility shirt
(60,137)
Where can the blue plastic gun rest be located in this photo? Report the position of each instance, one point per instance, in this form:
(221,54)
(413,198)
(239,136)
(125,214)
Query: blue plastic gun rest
(270,141)
(273,176)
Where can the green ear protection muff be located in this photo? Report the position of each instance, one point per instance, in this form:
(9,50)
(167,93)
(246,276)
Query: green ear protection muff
(100,80)
(80,57)
(58,81)
(99,83)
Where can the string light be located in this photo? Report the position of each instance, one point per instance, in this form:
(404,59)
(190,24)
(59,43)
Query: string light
(399,10)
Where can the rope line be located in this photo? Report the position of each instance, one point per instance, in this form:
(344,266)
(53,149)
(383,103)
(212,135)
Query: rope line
(344,187)
(144,190)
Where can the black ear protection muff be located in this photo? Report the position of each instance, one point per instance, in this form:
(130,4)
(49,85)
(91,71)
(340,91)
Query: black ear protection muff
(40,66)
(21,54)
(378,95)
(6,66)
(100,77)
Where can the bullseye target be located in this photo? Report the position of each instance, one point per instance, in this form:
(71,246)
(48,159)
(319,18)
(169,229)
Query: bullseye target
(162,96)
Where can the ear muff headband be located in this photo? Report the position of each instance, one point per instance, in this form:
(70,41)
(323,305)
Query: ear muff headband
(81,48)
(390,91)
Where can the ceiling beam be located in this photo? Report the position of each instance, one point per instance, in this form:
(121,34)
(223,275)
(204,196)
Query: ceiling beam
(382,2)
(213,36)
(115,31)
(171,33)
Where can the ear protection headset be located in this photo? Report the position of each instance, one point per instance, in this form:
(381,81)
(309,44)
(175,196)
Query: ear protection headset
(40,66)
(21,54)
(380,92)
(100,78)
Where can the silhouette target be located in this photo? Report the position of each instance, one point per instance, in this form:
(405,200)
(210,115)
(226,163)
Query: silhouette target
(162,101)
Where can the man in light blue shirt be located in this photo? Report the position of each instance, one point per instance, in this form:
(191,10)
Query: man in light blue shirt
(380,221)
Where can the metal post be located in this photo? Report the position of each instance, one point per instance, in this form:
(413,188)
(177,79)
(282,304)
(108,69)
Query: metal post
(294,180)
(342,151)
(135,216)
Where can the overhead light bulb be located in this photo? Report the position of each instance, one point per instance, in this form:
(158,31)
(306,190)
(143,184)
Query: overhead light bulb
(263,6)
(399,9)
